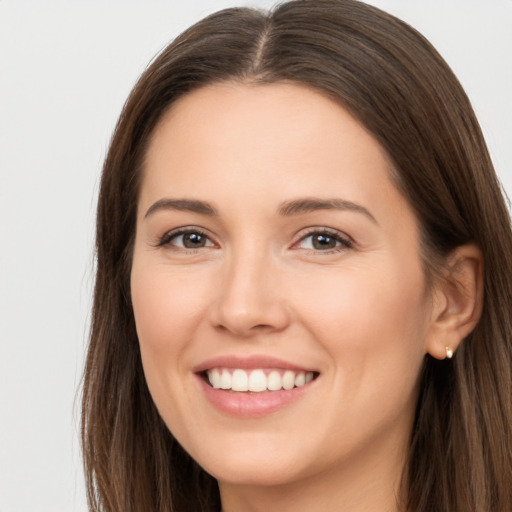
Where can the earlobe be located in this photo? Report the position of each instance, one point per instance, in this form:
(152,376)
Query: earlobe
(458,301)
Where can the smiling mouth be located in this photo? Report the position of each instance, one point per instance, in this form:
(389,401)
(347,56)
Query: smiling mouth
(257,380)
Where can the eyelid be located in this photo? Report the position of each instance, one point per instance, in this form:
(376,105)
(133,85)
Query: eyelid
(168,236)
(345,240)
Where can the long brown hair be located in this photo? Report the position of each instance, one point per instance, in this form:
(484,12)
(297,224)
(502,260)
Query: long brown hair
(401,90)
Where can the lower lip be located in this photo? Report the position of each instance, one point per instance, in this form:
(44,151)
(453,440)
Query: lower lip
(251,405)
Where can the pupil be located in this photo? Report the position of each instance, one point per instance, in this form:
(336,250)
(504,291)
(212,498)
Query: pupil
(324,242)
(193,240)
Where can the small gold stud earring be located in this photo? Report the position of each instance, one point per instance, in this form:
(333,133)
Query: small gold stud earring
(449,352)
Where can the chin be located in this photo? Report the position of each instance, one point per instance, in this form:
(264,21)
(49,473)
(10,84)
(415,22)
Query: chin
(252,461)
(253,473)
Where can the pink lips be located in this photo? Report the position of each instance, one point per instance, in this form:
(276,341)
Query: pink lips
(247,363)
(248,404)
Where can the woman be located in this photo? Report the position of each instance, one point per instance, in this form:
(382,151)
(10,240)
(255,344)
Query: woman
(302,300)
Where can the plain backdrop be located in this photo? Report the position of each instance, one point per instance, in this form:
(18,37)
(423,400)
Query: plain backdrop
(65,71)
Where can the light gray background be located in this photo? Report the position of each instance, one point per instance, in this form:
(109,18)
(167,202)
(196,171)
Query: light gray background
(65,71)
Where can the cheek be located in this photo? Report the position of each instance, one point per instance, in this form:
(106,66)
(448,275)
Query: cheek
(373,330)
(372,324)
(167,307)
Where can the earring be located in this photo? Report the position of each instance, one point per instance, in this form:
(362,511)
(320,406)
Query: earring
(449,352)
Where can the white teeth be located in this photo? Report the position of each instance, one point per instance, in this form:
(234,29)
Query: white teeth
(300,379)
(274,381)
(225,379)
(215,378)
(239,381)
(288,380)
(257,380)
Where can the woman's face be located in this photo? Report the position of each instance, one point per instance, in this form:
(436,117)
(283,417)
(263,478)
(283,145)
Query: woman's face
(273,253)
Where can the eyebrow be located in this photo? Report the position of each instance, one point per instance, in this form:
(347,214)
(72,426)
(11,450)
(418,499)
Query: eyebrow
(311,204)
(286,209)
(184,205)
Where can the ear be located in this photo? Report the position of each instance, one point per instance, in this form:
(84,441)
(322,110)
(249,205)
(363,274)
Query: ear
(457,301)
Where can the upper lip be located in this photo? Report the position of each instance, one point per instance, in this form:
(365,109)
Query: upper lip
(248,363)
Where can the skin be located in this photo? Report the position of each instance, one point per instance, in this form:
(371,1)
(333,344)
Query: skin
(359,315)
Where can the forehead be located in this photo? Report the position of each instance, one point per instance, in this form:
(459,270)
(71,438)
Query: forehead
(286,122)
(237,142)
(234,111)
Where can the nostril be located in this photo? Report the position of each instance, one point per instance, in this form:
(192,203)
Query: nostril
(261,327)
(243,327)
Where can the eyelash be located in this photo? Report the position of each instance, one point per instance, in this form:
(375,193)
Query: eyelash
(171,235)
(344,243)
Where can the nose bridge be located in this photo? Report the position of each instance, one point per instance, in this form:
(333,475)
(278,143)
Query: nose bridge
(248,299)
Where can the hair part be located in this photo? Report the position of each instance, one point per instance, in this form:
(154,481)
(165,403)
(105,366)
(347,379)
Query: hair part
(393,81)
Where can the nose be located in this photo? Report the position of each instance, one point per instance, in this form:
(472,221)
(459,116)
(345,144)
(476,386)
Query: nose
(250,299)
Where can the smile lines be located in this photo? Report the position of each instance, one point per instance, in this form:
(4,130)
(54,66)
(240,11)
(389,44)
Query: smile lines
(257,380)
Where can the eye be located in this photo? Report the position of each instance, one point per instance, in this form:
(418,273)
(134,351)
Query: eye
(186,239)
(323,241)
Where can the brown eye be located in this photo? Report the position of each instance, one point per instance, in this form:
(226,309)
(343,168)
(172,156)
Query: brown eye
(324,241)
(194,240)
(188,239)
